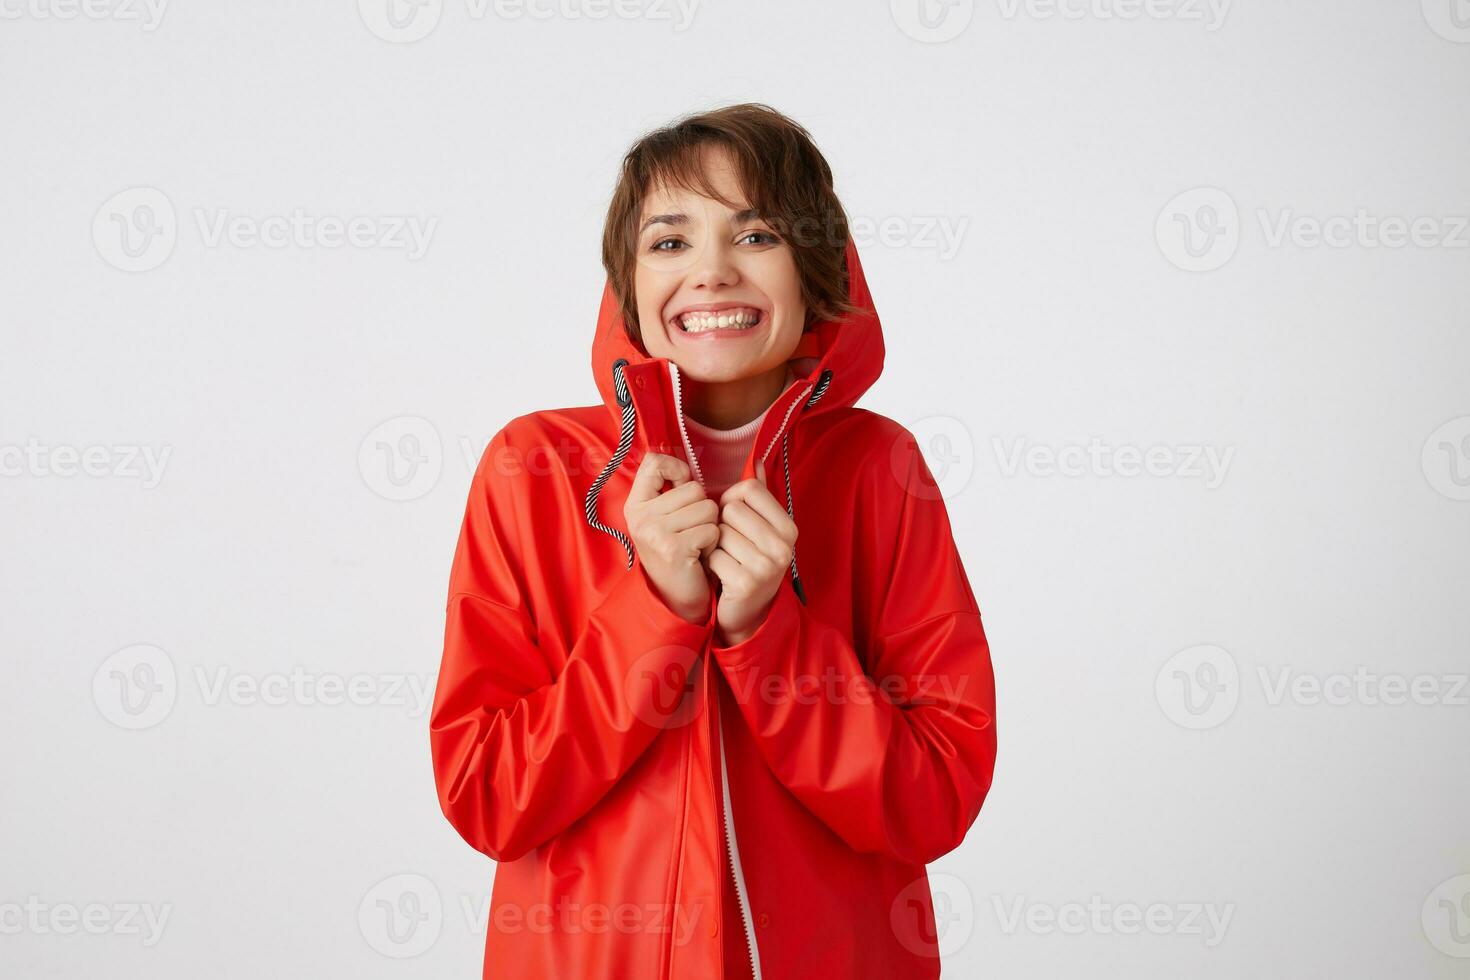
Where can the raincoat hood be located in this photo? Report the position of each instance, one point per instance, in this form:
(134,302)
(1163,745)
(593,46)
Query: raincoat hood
(834,362)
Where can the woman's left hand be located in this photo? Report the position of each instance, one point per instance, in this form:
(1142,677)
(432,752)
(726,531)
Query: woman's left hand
(756,543)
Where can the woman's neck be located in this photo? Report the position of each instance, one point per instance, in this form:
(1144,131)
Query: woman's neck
(731,404)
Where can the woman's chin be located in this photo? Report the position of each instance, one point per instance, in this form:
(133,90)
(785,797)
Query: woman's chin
(711,369)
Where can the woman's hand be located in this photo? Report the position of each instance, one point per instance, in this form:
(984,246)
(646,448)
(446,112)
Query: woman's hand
(756,541)
(672,532)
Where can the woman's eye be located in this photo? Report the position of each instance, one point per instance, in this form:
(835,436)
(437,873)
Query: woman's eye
(768,238)
(658,246)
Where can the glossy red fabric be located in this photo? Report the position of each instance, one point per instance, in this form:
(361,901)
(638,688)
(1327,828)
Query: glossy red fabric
(574,731)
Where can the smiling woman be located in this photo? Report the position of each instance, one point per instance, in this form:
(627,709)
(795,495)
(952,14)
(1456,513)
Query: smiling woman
(660,711)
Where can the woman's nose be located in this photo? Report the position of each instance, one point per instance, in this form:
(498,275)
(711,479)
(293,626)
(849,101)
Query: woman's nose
(715,269)
(715,266)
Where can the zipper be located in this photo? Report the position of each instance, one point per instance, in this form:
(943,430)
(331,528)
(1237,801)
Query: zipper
(798,400)
(684,433)
(727,812)
(742,898)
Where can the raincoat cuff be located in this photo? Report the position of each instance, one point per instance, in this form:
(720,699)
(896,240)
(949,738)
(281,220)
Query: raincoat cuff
(776,632)
(664,620)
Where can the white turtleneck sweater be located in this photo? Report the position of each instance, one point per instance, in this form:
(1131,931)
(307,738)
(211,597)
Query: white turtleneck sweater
(722,452)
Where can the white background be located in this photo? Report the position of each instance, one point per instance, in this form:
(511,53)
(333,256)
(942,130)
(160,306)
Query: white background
(1066,308)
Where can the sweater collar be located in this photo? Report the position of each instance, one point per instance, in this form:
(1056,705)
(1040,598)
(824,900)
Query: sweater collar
(741,433)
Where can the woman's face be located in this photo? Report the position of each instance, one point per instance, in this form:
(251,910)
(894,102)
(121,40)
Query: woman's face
(718,292)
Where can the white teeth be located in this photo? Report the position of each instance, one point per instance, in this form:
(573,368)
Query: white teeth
(698,322)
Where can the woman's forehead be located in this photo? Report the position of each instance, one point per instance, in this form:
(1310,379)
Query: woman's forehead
(693,204)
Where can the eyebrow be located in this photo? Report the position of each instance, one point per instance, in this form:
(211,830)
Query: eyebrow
(679,218)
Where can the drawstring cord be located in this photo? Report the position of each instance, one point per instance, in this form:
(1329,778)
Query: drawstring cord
(625,442)
(817,393)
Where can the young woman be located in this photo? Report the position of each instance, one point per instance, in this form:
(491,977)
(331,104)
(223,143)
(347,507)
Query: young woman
(691,756)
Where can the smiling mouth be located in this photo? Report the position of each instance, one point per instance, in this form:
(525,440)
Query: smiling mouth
(733,319)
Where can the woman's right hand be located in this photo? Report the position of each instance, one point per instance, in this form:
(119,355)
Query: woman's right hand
(672,530)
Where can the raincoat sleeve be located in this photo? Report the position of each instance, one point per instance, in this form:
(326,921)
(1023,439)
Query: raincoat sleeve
(896,758)
(521,749)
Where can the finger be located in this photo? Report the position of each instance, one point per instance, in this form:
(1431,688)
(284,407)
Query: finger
(652,472)
(760,500)
(676,499)
(738,546)
(702,511)
(756,529)
(723,566)
(703,538)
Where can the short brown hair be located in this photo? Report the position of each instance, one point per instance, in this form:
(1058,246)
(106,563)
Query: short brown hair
(782,172)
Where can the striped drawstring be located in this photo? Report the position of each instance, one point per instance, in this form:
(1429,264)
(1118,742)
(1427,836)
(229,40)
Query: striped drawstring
(625,442)
(817,393)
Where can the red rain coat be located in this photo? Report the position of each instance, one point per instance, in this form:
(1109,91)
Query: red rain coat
(578,723)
